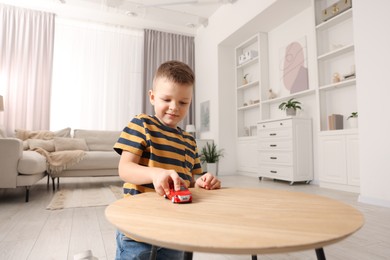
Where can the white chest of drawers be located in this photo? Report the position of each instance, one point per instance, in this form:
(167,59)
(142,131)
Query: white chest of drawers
(285,149)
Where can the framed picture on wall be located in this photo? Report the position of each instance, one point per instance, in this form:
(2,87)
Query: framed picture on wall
(205,116)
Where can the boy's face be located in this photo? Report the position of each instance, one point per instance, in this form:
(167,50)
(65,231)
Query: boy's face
(170,100)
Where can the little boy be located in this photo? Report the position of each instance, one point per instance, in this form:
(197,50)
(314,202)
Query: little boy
(156,152)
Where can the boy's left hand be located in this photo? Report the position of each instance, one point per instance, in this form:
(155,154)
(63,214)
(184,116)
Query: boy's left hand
(208,182)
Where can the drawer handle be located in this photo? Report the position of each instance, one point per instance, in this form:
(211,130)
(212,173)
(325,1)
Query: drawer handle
(272,145)
(272,134)
(274,171)
(273,158)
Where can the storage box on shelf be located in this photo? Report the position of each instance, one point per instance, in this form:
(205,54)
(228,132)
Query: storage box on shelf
(285,149)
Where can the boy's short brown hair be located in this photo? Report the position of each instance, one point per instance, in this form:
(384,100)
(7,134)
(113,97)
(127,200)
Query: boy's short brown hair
(177,72)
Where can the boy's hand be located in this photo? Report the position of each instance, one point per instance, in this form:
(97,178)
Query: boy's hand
(208,182)
(162,180)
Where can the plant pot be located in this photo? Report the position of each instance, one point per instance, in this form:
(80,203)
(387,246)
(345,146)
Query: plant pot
(212,168)
(291,112)
(353,122)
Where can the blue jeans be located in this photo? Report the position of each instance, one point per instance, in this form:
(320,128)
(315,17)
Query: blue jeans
(129,249)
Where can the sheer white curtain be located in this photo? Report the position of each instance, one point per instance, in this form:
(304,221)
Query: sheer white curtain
(97,76)
(26,55)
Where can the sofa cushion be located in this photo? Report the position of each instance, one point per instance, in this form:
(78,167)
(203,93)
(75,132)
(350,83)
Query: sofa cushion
(31,163)
(68,144)
(47,145)
(94,160)
(98,140)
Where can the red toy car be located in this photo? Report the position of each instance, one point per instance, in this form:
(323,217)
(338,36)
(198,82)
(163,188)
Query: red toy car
(181,196)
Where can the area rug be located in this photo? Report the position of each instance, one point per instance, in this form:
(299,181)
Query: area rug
(85,197)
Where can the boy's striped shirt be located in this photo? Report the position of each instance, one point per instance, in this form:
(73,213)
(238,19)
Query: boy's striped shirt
(158,146)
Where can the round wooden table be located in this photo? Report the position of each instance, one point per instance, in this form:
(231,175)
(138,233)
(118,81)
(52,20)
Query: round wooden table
(237,221)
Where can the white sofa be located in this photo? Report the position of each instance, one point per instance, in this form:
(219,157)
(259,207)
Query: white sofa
(100,159)
(20,167)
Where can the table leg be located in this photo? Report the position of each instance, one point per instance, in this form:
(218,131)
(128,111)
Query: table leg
(320,254)
(153,253)
(254,257)
(187,256)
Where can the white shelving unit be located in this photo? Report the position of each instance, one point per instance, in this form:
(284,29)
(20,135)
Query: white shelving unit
(248,97)
(335,55)
(338,149)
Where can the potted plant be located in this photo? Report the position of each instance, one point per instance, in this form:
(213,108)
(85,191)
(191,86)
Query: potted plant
(352,120)
(291,106)
(211,155)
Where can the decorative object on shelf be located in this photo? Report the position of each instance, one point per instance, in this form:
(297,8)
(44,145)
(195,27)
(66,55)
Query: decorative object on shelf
(336,122)
(245,104)
(191,129)
(256,101)
(250,54)
(245,79)
(211,155)
(205,116)
(241,59)
(353,120)
(271,94)
(336,77)
(335,9)
(291,106)
(293,66)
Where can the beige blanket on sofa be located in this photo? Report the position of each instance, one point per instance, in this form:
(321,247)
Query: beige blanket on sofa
(59,161)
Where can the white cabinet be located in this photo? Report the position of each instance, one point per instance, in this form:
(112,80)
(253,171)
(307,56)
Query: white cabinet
(247,156)
(285,149)
(339,160)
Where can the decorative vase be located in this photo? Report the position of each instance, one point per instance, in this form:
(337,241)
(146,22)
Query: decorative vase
(212,168)
(353,122)
(291,111)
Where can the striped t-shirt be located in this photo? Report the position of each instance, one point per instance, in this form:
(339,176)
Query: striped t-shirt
(159,146)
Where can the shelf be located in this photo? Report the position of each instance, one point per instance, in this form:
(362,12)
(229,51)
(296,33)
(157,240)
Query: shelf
(248,107)
(250,84)
(247,138)
(335,20)
(295,95)
(248,63)
(339,132)
(335,53)
(341,84)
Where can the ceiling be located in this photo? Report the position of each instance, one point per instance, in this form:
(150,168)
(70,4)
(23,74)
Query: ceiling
(189,13)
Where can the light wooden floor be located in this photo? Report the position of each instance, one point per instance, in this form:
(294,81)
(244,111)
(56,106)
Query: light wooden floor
(29,231)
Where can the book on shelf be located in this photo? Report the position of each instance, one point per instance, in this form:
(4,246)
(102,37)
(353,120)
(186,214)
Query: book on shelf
(335,122)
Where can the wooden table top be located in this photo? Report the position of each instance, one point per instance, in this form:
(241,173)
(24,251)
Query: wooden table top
(236,221)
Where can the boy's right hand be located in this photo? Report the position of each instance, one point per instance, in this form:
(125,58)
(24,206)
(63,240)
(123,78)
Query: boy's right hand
(162,179)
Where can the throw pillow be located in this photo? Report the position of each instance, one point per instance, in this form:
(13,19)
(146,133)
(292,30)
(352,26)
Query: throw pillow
(65,144)
(47,145)
(41,134)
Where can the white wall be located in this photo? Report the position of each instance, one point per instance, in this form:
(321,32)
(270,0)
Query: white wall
(372,43)
(221,25)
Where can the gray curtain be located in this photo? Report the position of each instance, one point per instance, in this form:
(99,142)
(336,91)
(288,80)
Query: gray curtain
(158,48)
